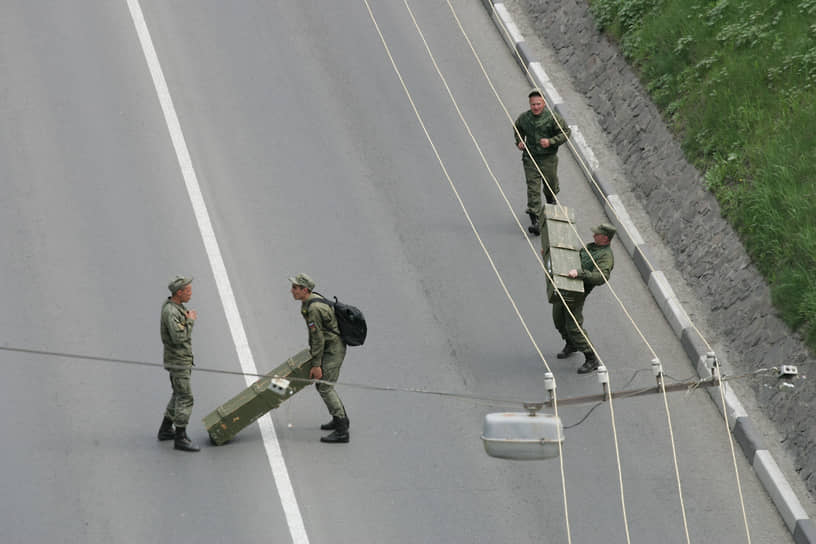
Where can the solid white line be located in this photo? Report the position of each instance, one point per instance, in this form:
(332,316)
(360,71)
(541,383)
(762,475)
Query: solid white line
(236,326)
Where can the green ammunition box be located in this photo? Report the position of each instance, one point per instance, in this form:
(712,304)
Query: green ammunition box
(266,394)
(559,248)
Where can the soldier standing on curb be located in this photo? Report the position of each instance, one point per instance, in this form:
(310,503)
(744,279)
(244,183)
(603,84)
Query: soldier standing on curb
(539,133)
(593,274)
(328,351)
(176,331)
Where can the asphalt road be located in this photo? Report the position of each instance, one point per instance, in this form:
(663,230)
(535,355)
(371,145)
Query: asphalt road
(309,158)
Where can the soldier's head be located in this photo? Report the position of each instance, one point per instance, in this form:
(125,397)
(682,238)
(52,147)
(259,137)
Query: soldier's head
(302,286)
(181,288)
(537,103)
(604,233)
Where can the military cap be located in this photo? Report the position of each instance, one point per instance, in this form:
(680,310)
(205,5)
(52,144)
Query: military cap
(606,229)
(179,282)
(303,280)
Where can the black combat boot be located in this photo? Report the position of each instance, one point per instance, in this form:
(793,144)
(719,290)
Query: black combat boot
(332,425)
(340,435)
(183,441)
(166,430)
(567,351)
(590,365)
(533,228)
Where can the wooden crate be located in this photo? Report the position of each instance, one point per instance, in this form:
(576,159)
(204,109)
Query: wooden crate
(560,248)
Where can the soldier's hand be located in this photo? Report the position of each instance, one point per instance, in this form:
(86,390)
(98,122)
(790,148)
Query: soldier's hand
(545,142)
(316,373)
(521,145)
(572,273)
(192,314)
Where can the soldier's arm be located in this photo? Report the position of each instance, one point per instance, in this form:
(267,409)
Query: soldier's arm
(518,131)
(599,274)
(176,325)
(561,134)
(316,337)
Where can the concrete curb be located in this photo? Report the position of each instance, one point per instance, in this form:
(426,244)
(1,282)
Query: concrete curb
(787,504)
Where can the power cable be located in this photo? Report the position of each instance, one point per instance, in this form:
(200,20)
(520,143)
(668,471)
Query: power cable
(614,212)
(573,228)
(651,268)
(480,241)
(691,384)
(620,469)
(716,371)
(627,384)
(493,400)
(467,127)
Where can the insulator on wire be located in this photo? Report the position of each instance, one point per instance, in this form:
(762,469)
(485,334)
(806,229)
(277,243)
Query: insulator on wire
(549,382)
(603,379)
(711,361)
(549,385)
(657,370)
(603,375)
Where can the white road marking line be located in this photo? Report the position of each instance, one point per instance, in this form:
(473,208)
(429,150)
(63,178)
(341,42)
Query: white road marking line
(239,338)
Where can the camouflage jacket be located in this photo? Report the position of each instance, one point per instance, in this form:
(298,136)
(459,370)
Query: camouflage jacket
(324,332)
(591,274)
(534,127)
(176,333)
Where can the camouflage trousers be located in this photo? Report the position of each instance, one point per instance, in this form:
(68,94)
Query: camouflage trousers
(549,167)
(180,406)
(332,361)
(571,331)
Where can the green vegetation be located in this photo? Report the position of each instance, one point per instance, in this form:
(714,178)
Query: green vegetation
(736,80)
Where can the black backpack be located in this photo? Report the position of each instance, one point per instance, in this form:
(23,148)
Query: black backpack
(350,320)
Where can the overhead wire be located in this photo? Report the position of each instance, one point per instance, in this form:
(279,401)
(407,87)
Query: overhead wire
(492,264)
(480,241)
(557,292)
(484,248)
(671,432)
(620,469)
(724,410)
(496,181)
(627,384)
(612,208)
(676,465)
(692,383)
(648,262)
(498,401)
(498,184)
(614,212)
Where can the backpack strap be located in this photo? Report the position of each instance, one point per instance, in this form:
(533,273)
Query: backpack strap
(328,303)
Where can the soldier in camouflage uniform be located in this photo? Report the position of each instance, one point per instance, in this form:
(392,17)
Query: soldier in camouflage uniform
(539,133)
(576,338)
(176,331)
(328,351)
